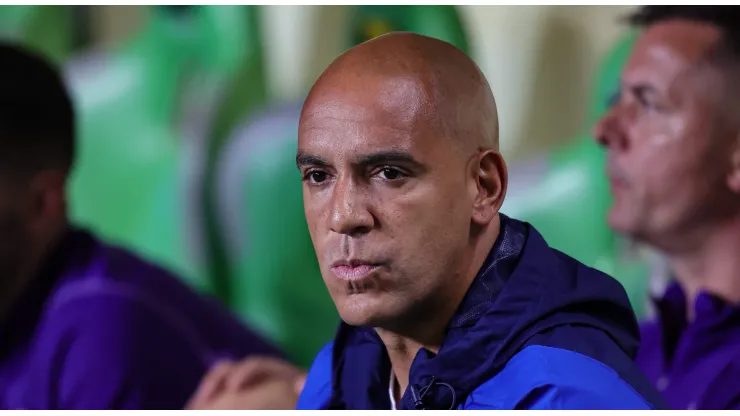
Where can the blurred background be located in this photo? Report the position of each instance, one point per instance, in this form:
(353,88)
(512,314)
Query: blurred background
(188,121)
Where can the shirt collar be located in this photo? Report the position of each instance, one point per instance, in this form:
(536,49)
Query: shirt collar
(708,308)
(712,315)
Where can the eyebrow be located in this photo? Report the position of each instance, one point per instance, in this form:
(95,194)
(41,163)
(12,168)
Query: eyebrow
(641,89)
(387,157)
(305,159)
(377,158)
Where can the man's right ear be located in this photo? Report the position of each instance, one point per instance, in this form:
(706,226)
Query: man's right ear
(489,170)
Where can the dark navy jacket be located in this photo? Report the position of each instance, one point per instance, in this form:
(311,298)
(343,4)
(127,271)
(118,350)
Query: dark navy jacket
(536,330)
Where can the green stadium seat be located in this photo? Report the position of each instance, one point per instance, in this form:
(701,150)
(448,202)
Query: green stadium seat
(276,284)
(45,29)
(129,181)
(441,22)
(229,85)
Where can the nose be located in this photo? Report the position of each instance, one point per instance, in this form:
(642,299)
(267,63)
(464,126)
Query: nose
(350,213)
(608,131)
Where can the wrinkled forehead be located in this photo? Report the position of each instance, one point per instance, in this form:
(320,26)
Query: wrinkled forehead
(365,114)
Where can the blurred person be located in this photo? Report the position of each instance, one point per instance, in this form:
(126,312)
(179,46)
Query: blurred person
(85,325)
(673,144)
(446,304)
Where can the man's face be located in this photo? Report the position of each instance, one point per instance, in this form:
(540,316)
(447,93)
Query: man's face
(387,199)
(667,159)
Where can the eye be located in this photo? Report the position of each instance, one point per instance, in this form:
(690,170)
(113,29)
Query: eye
(315,176)
(391,174)
(650,101)
(645,103)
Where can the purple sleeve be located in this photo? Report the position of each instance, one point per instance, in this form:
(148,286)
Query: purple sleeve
(112,353)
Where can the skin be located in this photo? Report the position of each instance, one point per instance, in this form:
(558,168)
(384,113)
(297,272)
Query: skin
(402,183)
(673,144)
(32,219)
(257,383)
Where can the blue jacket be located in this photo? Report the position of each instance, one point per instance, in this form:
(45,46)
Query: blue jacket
(536,330)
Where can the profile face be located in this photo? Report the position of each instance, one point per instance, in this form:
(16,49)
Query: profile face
(385,196)
(666,165)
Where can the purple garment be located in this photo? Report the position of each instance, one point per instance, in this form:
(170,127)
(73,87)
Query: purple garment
(101,329)
(695,365)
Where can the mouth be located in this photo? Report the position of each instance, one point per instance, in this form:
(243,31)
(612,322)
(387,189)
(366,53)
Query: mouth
(616,182)
(354,270)
(617,179)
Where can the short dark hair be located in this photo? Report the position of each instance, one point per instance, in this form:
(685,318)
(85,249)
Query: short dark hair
(725,18)
(37,120)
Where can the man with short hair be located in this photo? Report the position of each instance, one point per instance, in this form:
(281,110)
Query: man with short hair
(84,325)
(673,144)
(446,303)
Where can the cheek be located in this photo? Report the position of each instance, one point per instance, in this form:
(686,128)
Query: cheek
(427,226)
(313,211)
(432,204)
(662,177)
(658,149)
(664,132)
(670,179)
(655,135)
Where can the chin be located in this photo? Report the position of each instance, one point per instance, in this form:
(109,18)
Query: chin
(617,224)
(621,222)
(363,310)
(631,227)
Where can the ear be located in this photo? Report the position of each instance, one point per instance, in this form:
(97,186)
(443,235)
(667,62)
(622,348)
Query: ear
(490,176)
(47,199)
(733,177)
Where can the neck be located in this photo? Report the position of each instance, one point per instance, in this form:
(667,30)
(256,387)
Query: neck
(429,332)
(713,265)
(16,285)
(25,273)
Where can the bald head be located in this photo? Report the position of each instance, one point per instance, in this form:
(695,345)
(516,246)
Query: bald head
(424,81)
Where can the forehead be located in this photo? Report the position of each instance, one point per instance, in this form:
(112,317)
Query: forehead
(667,52)
(370,113)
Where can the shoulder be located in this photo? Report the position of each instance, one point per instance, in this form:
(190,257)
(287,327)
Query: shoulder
(125,297)
(109,345)
(117,315)
(133,296)
(317,390)
(541,377)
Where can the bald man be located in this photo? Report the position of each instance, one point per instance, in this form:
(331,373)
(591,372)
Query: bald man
(445,302)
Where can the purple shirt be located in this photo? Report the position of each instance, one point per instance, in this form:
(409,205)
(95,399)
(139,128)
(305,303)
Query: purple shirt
(695,365)
(101,329)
